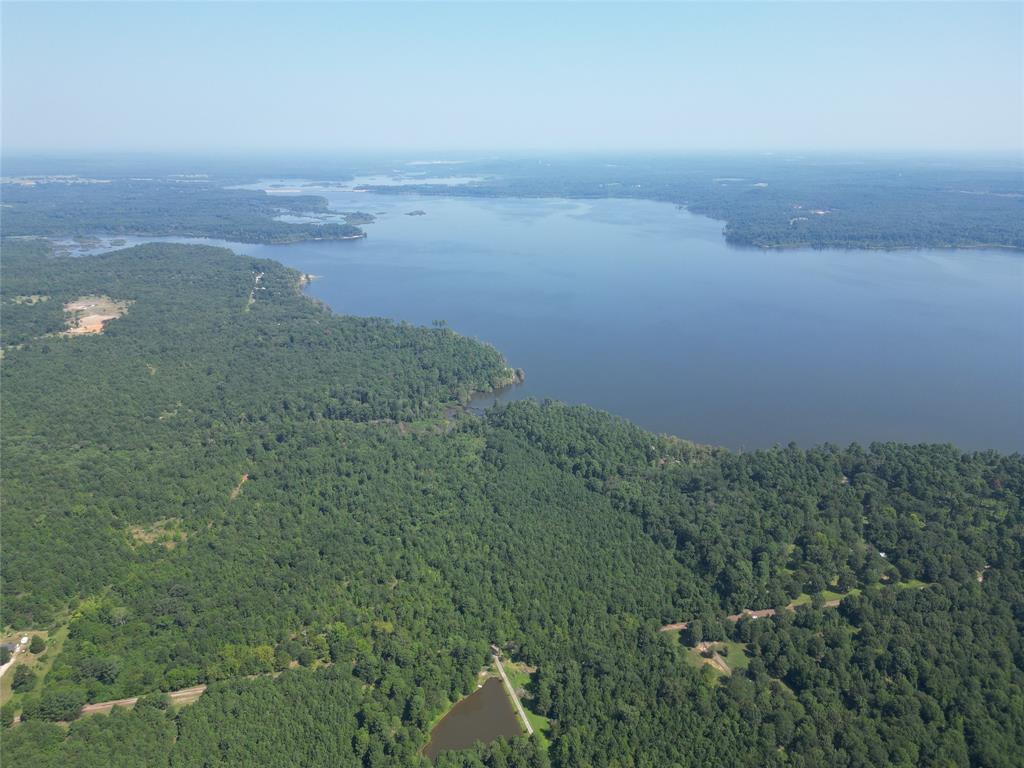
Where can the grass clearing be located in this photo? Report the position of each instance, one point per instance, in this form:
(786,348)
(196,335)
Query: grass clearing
(520,675)
(912,584)
(828,594)
(735,654)
(725,657)
(40,664)
(167,532)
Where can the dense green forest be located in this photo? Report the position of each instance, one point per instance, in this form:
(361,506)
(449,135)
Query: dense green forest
(232,486)
(164,208)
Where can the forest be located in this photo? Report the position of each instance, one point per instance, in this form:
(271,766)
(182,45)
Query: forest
(816,201)
(164,208)
(232,486)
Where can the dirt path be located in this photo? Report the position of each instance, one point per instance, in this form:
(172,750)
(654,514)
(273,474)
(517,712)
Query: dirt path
(238,488)
(715,660)
(758,614)
(8,665)
(719,663)
(511,691)
(184,696)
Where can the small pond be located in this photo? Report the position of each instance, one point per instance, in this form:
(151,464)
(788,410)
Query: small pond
(484,715)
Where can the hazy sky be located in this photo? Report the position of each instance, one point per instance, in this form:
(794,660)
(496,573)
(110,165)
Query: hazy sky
(354,76)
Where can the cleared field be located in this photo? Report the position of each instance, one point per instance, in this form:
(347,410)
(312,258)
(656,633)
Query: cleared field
(89,314)
(39,663)
(723,657)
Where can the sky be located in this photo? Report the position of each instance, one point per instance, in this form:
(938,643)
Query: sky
(354,76)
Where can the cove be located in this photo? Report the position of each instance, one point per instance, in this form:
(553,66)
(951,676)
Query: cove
(641,309)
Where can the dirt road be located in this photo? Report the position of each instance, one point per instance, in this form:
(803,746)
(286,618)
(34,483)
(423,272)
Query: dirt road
(184,696)
(8,665)
(511,692)
(759,614)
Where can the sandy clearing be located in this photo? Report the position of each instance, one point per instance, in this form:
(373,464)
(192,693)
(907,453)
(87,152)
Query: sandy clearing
(89,314)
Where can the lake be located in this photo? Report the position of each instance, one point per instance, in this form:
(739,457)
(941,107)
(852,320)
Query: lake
(641,309)
(484,715)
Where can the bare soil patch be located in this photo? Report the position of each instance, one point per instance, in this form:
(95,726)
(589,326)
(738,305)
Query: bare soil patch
(89,314)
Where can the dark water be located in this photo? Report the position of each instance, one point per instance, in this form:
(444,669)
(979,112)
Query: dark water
(641,309)
(484,715)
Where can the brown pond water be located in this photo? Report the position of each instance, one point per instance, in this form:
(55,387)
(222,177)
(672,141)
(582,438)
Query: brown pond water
(484,715)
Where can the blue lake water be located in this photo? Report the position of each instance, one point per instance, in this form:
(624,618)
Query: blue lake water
(641,309)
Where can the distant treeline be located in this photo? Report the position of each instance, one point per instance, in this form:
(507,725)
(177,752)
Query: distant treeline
(158,208)
(785,202)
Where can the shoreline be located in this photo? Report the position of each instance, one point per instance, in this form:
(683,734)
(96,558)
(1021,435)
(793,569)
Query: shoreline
(809,246)
(512,377)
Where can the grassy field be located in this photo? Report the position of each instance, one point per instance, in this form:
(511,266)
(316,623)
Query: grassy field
(519,675)
(736,657)
(912,584)
(828,594)
(733,654)
(41,664)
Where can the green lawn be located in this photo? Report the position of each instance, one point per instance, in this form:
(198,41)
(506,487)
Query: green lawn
(520,678)
(737,657)
(912,584)
(40,664)
(828,594)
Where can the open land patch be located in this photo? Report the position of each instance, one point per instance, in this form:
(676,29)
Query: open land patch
(167,532)
(89,314)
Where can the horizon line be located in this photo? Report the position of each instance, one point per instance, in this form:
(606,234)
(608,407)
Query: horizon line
(492,152)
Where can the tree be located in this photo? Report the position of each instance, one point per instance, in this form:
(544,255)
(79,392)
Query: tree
(24,679)
(55,705)
(7,714)
(37,644)
(694,633)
